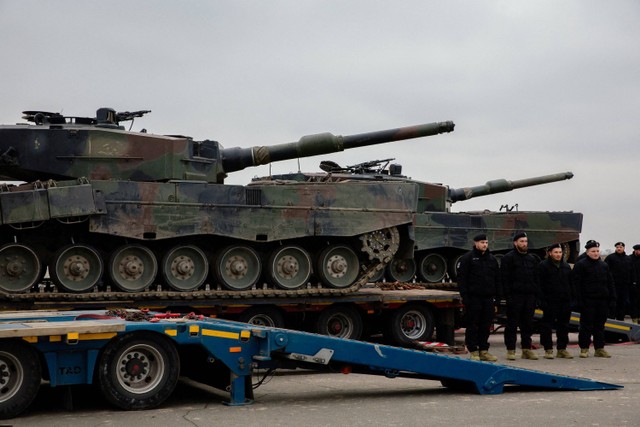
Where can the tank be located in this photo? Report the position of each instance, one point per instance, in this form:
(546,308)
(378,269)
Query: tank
(441,236)
(111,213)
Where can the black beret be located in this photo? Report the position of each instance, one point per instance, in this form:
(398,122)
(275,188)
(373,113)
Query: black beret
(636,247)
(480,237)
(519,235)
(554,246)
(619,244)
(592,244)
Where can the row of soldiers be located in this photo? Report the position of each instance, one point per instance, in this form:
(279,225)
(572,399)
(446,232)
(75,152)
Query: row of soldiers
(595,288)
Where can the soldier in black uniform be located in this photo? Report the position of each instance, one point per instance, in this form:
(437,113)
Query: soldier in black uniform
(620,267)
(479,285)
(634,291)
(519,270)
(554,274)
(595,294)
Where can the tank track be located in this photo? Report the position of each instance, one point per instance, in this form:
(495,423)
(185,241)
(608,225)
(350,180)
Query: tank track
(194,296)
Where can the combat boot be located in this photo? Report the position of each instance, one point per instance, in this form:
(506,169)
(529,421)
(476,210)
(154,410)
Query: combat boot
(548,354)
(564,354)
(475,355)
(584,353)
(511,355)
(487,357)
(601,352)
(527,353)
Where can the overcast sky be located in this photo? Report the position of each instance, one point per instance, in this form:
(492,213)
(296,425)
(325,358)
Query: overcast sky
(533,87)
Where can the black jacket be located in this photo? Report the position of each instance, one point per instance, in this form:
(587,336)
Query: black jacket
(555,281)
(620,267)
(635,269)
(519,274)
(478,275)
(592,280)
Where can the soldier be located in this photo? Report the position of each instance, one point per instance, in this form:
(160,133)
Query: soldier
(479,284)
(634,291)
(595,294)
(620,267)
(554,274)
(521,290)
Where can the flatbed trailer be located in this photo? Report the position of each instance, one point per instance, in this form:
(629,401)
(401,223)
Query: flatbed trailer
(136,358)
(626,330)
(404,316)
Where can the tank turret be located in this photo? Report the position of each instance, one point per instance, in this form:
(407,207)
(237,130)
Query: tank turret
(60,147)
(503,185)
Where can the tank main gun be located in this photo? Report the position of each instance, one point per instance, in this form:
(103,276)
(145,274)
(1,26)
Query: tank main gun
(235,159)
(503,185)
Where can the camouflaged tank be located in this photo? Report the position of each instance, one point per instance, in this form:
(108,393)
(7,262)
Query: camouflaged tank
(440,236)
(113,212)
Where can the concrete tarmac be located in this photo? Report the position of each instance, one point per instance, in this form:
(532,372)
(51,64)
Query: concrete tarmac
(303,398)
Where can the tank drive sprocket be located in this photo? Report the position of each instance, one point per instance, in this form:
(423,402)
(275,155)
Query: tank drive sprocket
(380,244)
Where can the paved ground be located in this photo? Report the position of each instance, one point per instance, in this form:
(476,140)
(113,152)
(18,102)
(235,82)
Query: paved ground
(310,399)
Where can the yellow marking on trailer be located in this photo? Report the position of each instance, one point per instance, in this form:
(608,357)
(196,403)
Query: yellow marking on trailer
(220,334)
(245,334)
(235,349)
(55,338)
(620,327)
(102,336)
(31,340)
(194,330)
(171,332)
(72,337)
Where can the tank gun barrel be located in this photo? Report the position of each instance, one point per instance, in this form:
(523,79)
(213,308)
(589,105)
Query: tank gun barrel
(235,159)
(503,185)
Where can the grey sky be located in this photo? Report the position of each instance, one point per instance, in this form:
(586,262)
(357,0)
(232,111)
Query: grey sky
(533,87)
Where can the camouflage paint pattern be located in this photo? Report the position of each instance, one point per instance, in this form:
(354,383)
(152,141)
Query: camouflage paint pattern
(106,205)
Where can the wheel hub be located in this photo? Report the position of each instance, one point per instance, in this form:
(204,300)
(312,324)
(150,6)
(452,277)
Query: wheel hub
(337,266)
(5,374)
(132,267)
(288,266)
(76,268)
(236,266)
(134,367)
(182,267)
(15,266)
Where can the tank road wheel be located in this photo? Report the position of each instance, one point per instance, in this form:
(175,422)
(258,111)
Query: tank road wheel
(138,371)
(133,268)
(453,266)
(289,267)
(262,316)
(185,268)
(432,268)
(338,266)
(76,268)
(20,375)
(340,322)
(20,268)
(401,270)
(238,267)
(378,276)
(409,323)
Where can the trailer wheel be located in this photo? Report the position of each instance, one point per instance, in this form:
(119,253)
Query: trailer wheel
(340,322)
(409,323)
(20,375)
(262,316)
(138,371)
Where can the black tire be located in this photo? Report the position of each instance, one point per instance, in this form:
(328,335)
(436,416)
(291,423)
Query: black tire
(20,375)
(154,356)
(409,323)
(263,316)
(340,322)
